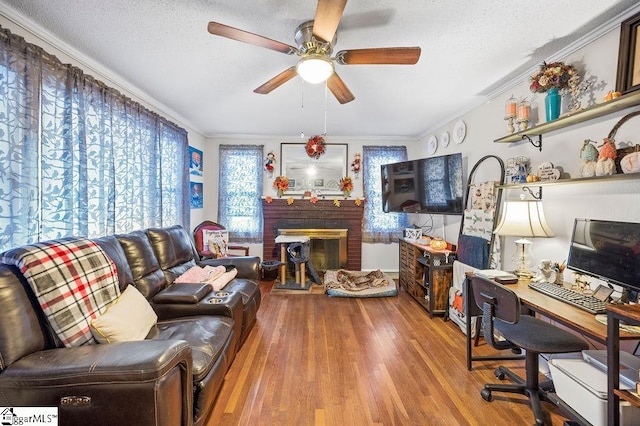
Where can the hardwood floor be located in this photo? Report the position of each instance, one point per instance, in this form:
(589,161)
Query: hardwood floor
(316,360)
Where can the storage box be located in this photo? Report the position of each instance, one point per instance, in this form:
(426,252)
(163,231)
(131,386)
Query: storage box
(584,388)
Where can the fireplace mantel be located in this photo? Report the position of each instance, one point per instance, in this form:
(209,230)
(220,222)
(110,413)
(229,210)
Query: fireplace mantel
(323,214)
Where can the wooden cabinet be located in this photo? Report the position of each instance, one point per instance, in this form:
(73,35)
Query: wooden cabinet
(631,315)
(426,274)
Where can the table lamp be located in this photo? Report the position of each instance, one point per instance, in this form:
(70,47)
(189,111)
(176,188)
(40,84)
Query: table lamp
(523,219)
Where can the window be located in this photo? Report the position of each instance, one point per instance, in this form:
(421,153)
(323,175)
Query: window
(240,191)
(380,227)
(79,158)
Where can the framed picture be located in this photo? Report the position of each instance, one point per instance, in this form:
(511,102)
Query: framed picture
(196,195)
(195,161)
(321,175)
(628,78)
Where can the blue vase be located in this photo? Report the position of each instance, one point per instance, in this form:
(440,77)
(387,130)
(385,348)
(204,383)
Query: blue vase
(552,104)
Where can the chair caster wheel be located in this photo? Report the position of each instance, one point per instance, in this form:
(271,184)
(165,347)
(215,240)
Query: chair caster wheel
(486,395)
(499,374)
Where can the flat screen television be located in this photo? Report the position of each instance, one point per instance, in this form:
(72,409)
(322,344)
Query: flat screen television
(606,250)
(430,185)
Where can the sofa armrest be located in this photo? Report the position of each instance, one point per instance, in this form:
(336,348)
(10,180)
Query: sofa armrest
(115,381)
(182,293)
(248,266)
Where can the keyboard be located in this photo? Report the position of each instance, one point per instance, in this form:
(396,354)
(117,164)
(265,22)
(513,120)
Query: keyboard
(579,300)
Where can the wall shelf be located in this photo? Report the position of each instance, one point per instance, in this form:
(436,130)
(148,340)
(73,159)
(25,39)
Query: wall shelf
(595,179)
(599,110)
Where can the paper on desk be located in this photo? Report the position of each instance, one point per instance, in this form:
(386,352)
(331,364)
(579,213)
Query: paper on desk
(492,273)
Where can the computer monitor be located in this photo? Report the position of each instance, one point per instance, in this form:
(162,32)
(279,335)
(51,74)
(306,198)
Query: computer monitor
(606,250)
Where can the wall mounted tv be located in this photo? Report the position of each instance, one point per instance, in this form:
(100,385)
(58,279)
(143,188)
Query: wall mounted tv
(606,250)
(430,185)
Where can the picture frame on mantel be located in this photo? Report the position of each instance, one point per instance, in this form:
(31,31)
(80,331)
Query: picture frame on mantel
(319,175)
(628,77)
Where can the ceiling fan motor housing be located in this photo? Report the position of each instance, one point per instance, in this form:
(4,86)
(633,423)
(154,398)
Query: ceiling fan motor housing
(307,43)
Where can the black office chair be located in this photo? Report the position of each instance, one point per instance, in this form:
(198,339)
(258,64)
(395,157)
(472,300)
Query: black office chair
(501,311)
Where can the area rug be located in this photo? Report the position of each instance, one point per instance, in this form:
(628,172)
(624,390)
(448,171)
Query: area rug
(330,281)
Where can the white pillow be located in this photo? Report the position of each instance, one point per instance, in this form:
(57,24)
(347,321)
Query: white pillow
(129,317)
(222,280)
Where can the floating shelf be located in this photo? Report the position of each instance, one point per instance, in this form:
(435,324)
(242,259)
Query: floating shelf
(595,179)
(599,110)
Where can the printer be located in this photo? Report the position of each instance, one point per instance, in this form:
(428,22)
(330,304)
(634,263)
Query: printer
(582,384)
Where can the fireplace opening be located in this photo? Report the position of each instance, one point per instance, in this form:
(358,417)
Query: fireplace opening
(328,247)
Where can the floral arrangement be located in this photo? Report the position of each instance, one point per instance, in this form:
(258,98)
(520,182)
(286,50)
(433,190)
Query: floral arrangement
(281,183)
(553,75)
(315,147)
(346,184)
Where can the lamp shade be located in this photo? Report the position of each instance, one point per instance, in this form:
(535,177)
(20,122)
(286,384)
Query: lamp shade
(523,219)
(314,69)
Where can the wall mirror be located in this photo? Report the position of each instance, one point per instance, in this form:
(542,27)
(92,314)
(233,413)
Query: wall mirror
(321,175)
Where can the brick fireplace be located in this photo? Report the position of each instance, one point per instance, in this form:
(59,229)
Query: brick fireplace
(303,214)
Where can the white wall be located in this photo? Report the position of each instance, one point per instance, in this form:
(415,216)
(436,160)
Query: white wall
(606,200)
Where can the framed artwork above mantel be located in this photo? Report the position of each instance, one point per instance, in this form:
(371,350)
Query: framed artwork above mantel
(319,175)
(628,77)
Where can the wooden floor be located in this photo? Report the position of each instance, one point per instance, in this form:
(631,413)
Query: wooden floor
(316,360)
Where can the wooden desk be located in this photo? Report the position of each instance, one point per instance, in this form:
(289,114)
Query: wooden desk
(569,316)
(616,313)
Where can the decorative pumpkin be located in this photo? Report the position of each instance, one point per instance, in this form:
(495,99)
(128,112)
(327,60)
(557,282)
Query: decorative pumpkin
(438,244)
(630,163)
(589,155)
(606,164)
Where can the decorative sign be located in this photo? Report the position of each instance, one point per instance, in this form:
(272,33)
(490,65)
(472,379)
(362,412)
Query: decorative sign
(546,171)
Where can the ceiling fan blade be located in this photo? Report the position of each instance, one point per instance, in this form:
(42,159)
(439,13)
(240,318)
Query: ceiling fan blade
(339,89)
(380,56)
(222,30)
(277,81)
(328,15)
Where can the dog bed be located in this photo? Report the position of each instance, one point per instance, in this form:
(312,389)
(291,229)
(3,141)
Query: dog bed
(333,288)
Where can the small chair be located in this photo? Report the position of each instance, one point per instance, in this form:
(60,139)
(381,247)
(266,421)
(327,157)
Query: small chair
(501,312)
(207,254)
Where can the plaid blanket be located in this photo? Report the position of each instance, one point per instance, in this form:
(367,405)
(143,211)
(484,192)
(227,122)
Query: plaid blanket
(74,281)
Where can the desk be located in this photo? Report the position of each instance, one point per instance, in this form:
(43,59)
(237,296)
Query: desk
(569,316)
(616,313)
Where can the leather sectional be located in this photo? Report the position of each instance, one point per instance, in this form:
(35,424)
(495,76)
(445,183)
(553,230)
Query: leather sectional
(170,378)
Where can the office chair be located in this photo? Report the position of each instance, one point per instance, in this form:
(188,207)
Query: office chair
(501,312)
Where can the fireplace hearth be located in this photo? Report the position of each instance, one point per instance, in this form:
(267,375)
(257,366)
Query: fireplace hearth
(321,217)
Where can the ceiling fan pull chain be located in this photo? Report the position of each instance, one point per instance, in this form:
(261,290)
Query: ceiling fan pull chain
(325,108)
(302,108)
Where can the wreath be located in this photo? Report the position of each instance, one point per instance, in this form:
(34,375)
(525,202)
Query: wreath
(315,147)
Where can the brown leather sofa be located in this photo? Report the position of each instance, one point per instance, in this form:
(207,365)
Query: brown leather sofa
(170,378)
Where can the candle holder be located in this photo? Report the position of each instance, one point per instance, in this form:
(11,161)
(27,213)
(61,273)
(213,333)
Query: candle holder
(524,114)
(510,108)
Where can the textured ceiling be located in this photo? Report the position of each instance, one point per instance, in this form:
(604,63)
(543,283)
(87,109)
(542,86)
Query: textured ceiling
(163,50)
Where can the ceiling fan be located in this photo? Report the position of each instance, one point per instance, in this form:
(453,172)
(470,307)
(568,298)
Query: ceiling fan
(315,40)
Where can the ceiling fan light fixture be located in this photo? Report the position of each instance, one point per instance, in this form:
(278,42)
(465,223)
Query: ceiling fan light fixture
(314,68)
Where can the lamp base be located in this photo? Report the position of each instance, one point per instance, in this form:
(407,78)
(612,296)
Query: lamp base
(522,258)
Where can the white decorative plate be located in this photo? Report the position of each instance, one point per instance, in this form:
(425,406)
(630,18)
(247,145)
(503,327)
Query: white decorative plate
(459,131)
(432,145)
(444,139)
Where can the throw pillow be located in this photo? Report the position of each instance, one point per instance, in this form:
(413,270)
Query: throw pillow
(129,318)
(215,242)
(219,283)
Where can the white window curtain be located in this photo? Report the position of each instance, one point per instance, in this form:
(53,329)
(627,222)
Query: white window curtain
(380,227)
(240,192)
(77,157)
